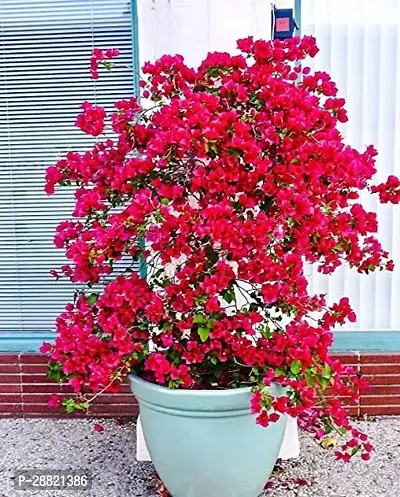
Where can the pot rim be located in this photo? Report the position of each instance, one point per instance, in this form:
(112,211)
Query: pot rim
(176,391)
(158,397)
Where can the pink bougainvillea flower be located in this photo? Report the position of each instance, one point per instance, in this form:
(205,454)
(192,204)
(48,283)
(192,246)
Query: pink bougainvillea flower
(54,401)
(45,348)
(91,120)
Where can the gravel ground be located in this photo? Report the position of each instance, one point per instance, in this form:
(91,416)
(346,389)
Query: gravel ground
(110,456)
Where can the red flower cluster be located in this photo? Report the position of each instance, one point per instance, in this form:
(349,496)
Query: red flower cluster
(100,57)
(91,120)
(389,191)
(232,181)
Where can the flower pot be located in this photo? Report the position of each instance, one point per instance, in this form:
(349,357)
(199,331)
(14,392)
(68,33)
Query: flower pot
(206,443)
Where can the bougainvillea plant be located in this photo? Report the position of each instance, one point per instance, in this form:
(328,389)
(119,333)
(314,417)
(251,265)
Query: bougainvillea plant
(229,181)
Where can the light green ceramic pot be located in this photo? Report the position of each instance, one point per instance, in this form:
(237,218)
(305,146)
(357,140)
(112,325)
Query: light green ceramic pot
(205,443)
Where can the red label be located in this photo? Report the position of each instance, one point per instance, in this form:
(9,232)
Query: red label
(282,24)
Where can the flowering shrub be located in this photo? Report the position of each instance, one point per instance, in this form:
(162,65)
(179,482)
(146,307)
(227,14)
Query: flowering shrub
(233,179)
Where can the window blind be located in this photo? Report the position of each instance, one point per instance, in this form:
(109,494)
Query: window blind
(45,46)
(359,45)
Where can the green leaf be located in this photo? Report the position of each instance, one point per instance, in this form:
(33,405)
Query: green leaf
(107,65)
(234,151)
(290,221)
(323,382)
(172,384)
(69,405)
(201,299)
(310,380)
(54,372)
(326,372)
(229,296)
(295,367)
(266,401)
(92,298)
(213,360)
(164,201)
(266,332)
(338,248)
(203,333)
(199,318)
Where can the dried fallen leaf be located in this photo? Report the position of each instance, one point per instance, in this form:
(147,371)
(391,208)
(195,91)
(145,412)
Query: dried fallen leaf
(161,489)
(328,442)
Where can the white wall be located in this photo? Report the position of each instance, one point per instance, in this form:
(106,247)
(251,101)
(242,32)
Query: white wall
(361,51)
(194,27)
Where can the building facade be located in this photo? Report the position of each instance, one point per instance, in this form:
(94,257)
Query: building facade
(44,49)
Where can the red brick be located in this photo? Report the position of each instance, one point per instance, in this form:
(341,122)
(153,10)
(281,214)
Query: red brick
(380,410)
(9,368)
(380,358)
(41,408)
(8,358)
(380,400)
(377,369)
(11,408)
(382,390)
(348,402)
(35,398)
(9,378)
(353,411)
(33,369)
(33,359)
(10,398)
(117,409)
(116,399)
(348,358)
(11,388)
(36,378)
(385,379)
(11,415)
(49,389)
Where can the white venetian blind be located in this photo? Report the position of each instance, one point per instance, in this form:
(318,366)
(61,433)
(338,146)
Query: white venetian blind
(359,44)
(45,47)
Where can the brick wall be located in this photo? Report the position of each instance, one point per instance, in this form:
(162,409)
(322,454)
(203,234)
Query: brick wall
(24,388)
